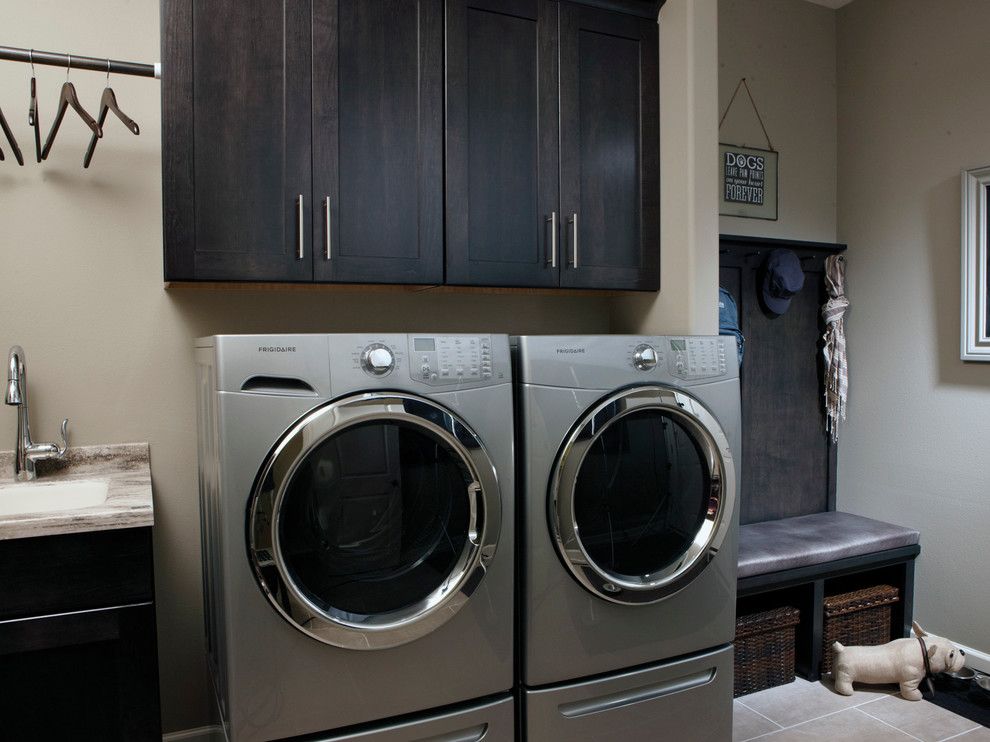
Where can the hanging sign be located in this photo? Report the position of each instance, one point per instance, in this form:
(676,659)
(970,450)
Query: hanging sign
(748,182)
(747,176)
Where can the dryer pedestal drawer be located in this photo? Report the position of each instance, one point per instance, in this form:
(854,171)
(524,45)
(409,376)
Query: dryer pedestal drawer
(690,699)
(493,721)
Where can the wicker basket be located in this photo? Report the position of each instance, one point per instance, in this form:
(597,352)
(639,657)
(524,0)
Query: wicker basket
(764,650)
(860,618)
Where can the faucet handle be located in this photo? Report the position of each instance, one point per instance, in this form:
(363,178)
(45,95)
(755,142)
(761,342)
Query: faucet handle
(60,452)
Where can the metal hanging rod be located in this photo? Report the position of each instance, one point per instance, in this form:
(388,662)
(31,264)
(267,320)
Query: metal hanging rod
(79,62)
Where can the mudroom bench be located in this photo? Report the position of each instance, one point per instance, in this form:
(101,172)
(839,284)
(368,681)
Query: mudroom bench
(799,561)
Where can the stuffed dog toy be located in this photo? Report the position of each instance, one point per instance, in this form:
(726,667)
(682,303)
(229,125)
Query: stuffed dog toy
(899,661)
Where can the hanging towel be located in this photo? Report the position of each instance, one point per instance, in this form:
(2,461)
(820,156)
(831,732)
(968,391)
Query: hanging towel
(836,362)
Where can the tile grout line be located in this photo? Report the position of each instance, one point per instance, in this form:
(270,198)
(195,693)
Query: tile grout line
(764,735)
(873,700)
(779,727)
(817,718)
(978,726)
(896,729)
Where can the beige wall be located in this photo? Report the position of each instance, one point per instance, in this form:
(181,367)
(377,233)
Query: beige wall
(786,51)
(912,113)
(108,347)
(688,189)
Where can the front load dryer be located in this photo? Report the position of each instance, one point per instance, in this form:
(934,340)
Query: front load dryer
(357,519)
(627,559)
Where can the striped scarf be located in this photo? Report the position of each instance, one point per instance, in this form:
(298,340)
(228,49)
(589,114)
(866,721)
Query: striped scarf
(836,362)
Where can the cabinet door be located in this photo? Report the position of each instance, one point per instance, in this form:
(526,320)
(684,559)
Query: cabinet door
(610,149)
(91,675)
(502,142)
(378,140)
(238,170)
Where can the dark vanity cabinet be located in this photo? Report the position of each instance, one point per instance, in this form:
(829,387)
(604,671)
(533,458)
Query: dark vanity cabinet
(78,653)
(506,143)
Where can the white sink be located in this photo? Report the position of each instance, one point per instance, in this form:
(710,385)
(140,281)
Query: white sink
(48,497)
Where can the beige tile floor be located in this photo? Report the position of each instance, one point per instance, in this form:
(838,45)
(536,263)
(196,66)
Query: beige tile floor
(803,711)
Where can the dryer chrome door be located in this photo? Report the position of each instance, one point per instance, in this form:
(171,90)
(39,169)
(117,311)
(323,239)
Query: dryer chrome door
(642,494)
(373,520)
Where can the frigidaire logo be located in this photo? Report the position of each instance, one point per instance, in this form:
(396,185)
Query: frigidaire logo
(570,350)
(276,349)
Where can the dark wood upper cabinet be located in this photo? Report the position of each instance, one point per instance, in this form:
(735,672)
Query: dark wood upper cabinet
(552,168)
(610,149)
(237,141)
(378,141)
(412,141)
(502,142)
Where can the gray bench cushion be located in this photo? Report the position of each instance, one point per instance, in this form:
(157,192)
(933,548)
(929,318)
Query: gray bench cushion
(777,545)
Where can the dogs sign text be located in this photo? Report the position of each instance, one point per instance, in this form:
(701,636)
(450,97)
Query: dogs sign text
(748,179)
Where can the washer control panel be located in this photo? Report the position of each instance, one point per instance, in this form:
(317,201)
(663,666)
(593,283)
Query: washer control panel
(696,357)
(450,359)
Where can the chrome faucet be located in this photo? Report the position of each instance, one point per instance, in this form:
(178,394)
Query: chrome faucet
(27,452)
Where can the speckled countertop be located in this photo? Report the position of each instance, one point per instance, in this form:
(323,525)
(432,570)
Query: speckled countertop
(126,467)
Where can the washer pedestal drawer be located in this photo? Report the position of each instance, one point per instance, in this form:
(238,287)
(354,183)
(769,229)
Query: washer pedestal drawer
(493,721)
(689,699)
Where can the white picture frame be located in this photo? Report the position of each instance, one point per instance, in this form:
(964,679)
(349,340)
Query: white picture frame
(975,317)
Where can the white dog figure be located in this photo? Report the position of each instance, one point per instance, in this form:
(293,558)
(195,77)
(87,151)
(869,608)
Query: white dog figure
(899,661)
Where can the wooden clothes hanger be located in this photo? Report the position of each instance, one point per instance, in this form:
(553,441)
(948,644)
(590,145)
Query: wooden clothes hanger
(68,98)
(108,102)
(11,140)
(33,118)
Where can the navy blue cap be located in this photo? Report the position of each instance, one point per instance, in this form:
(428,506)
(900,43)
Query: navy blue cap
(784,277)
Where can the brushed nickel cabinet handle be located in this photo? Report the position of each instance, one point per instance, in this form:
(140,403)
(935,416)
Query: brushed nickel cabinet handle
(553,239)
(301,243)
(573,221)
(326,227)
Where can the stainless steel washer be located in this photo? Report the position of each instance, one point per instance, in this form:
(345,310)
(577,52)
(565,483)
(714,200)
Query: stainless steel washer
(356,499)
(628,450)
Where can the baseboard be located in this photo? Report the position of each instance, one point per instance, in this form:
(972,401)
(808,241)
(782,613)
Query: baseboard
(200,734)
(976,659)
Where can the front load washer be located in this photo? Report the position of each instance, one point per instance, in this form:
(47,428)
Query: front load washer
(357,520)
(627,559)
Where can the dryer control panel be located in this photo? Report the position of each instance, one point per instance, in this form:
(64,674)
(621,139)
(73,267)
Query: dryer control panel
(450,359)
(696,357)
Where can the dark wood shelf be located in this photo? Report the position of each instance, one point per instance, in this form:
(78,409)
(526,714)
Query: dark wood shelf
(734,242)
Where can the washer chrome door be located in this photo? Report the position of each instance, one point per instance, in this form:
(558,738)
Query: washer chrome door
(373,520)
(642,494)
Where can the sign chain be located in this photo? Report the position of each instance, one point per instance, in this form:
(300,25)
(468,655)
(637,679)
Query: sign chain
(743,84)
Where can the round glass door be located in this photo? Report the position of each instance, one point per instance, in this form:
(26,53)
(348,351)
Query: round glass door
(373,520)
(642,494)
